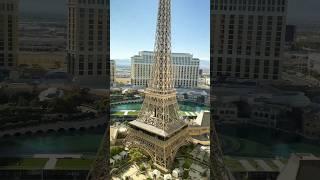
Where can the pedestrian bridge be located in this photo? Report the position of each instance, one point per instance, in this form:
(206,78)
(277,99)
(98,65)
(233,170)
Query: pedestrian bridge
(127,102)
(56,127)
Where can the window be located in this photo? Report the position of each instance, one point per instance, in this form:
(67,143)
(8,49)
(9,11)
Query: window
(82,12)
(91,2)
(90,68)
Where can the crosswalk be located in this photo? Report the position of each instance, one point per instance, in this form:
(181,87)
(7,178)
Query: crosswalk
(260,165)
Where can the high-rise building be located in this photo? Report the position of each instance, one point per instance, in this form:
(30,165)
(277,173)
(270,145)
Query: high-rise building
(9,13)
(88,41)
(185,69)
(248,38)
(200,72)
(290,34)
(100,167)
(112,71)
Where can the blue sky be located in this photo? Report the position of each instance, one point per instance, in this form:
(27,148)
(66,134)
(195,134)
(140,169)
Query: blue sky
(133,26)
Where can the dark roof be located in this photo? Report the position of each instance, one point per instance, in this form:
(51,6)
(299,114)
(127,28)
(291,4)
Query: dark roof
(206,119)
(309,170)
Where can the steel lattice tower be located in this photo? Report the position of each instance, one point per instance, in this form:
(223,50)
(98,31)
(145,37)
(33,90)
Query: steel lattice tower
(159,131)
(218,170)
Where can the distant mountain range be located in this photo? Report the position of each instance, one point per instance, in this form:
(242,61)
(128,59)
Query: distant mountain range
(204,64)
(123,62)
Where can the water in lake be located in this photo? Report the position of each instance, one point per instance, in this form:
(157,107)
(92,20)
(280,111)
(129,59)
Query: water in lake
(186,106)
(82,142)
(237,140)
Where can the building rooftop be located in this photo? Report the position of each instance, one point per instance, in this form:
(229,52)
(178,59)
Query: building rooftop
(155,130)
(301,167)
(203,119)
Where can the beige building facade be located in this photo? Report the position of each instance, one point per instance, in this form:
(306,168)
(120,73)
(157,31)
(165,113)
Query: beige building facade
(248,38)
(88,41)
(185,69)
(44,60)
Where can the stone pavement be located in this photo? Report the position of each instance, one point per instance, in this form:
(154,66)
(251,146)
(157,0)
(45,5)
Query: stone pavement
(264,165)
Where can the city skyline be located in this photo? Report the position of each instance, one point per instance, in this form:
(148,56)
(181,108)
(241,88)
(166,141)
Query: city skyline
(127,14)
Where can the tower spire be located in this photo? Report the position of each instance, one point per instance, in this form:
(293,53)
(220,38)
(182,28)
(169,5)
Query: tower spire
(162,76)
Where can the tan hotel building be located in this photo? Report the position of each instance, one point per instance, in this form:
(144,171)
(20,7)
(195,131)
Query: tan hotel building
(88,41)
(248,38)
(185,68)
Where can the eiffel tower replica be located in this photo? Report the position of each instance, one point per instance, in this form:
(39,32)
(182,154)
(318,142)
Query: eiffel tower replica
(158,130)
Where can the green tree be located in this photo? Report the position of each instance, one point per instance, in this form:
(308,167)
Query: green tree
(135,155)
(102,105)
(185,175)
(115,150)
(66,104)
(142,167)
(187,163)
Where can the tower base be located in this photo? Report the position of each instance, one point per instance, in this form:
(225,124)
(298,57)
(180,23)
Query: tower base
(161,150)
